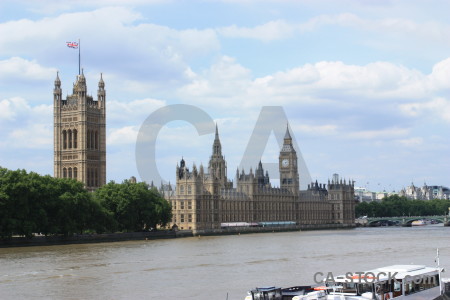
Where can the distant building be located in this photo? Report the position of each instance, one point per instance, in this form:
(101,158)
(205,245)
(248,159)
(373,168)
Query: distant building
(203,199)
(79,134)
(425,192)
(364,195)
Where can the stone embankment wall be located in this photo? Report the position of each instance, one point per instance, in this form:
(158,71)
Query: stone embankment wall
(162,234)
(243,230)
(90,238)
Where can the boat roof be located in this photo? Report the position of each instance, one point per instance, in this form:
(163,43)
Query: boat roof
(381,274)
(266,289)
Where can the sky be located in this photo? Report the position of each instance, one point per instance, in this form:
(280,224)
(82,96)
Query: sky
(365,85)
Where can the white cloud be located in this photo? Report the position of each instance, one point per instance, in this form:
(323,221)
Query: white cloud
(121,136)
(270,31)
(10,108)
(407,28)
(411,142)
(46,7)
(139,50)
(435,108)
(323,82)
(24,126)
(440,76)
(33,136)
(18,69)
(386,133)
(403,28)
(133,111)
(316,129)
(224,79)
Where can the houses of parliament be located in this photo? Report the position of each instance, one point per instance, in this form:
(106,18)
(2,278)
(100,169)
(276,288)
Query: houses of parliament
(204,199)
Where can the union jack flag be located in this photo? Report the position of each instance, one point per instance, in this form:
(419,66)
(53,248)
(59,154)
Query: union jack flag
(73,45)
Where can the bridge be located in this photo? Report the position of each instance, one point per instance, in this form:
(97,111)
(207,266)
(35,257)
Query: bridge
(400,221)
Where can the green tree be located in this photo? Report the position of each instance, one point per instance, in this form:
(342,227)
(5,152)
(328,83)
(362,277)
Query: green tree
(134,206)
(397,206)
(31,203)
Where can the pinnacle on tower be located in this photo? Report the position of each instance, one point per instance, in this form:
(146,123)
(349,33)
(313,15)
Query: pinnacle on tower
(287,135)
(217,133)
(217,147)
(57,80)
(101,83)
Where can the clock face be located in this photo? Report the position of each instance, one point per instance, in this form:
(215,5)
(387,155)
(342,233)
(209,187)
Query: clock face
(285,162)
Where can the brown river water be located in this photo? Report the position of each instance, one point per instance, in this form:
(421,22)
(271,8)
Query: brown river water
(211,267)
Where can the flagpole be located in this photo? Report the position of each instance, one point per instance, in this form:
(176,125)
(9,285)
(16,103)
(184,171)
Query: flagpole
(79,57)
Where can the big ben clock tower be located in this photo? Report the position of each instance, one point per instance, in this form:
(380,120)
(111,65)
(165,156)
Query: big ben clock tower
(288,166)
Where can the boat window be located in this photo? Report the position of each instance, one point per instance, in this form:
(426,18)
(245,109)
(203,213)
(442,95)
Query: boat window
(364,288)
(397,288)
(267,295)
(409,288)
(383,287)
(421,283)
(349,287)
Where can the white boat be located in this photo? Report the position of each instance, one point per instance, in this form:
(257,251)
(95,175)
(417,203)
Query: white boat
(412,282)
(296,292)
(406,282)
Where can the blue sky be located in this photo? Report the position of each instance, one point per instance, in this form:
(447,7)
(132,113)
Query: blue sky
(364,84)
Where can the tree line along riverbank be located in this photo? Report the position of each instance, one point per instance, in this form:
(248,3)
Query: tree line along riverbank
(34,204)
(397,206)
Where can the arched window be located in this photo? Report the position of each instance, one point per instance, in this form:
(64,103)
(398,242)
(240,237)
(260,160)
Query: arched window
(88,139)
(75,138)
(96,177)
(181,189)
(75,173)
(96,140)
(70,172)
(69,138)
(189,190)
(64,137)
(64,173)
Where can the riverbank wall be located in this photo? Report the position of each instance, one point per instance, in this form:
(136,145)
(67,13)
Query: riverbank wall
(246,230)
(161,234)
(90,238)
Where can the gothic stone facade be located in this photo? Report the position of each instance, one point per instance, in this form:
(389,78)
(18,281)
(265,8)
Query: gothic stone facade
(203,199)
(79,134)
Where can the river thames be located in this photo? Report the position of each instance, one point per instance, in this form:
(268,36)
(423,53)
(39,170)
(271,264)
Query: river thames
(210,267)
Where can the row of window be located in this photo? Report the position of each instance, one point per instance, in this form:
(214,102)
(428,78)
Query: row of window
(70,139)
(287,181)
(182,218)
(92,177)
(189,190)
(70,173)
(174,204)
(92,139)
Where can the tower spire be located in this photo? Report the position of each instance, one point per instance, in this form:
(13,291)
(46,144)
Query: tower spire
(57,80)
(217,133)
(217,147)
(287,135)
